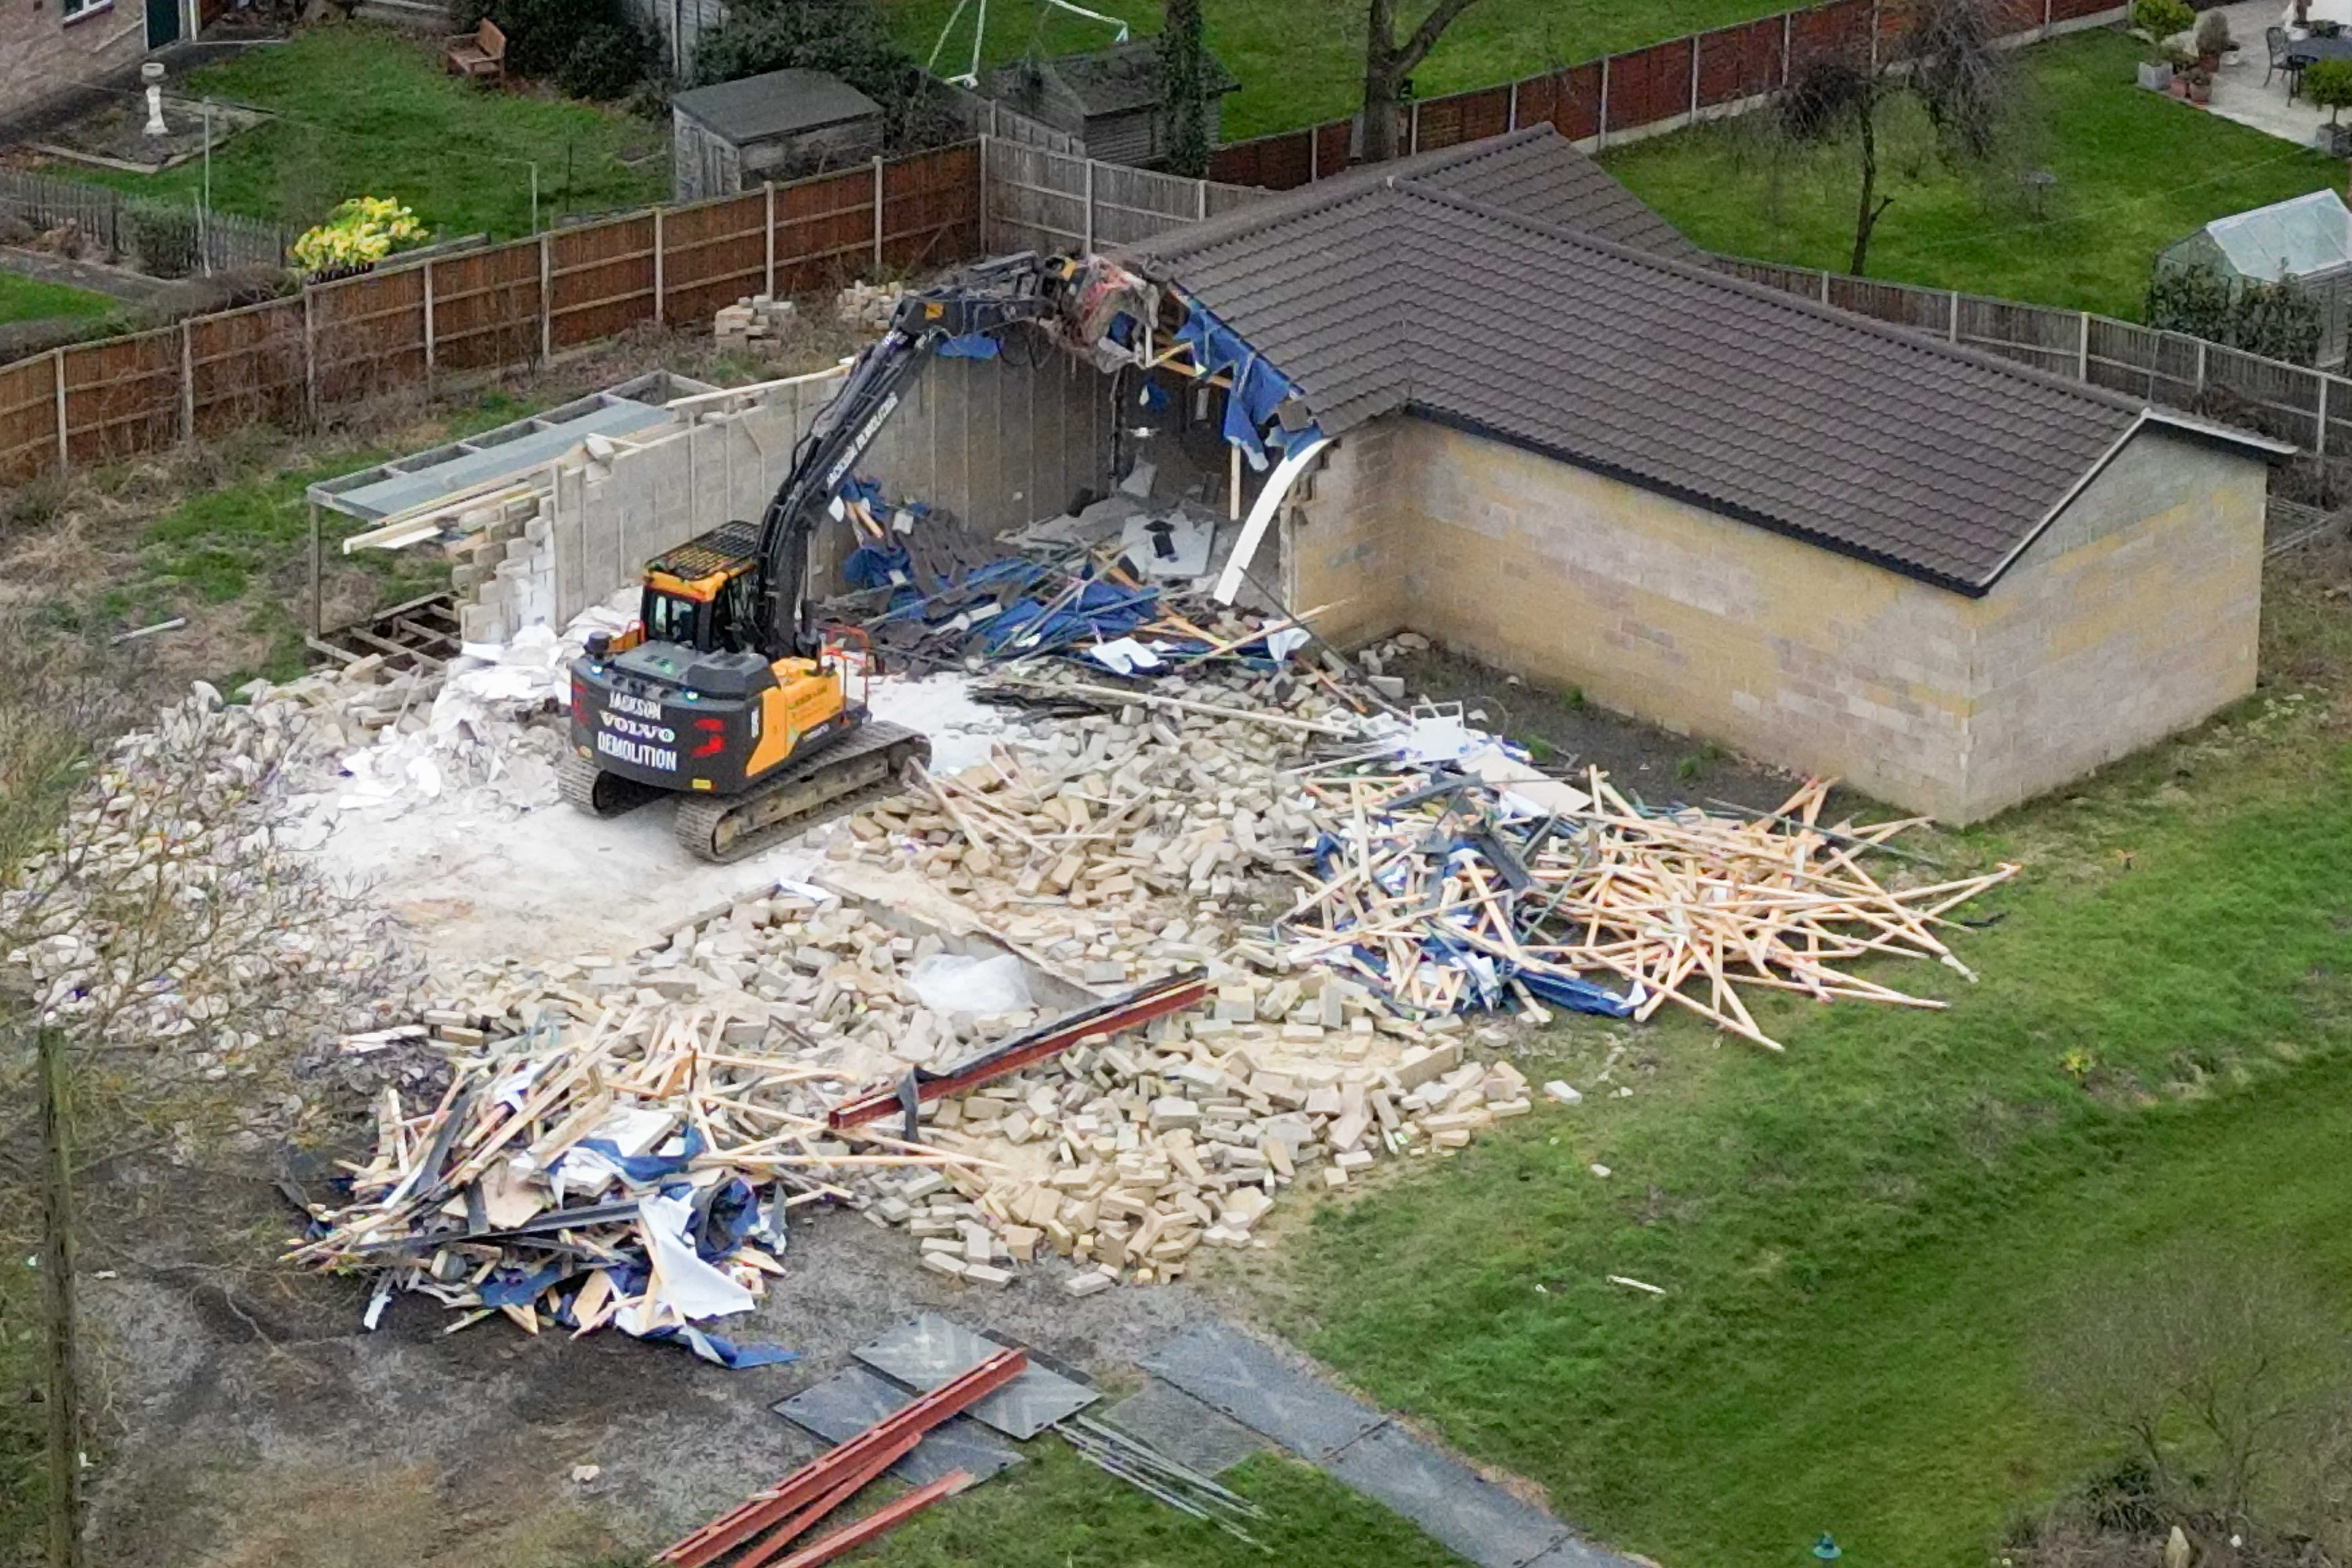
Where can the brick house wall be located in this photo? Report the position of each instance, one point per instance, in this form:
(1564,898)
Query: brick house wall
(2134,616)
(44,52)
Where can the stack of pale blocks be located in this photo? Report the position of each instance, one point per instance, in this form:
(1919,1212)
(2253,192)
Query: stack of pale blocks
(754,320)
(503,569)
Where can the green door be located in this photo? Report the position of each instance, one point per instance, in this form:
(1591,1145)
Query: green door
(163,23)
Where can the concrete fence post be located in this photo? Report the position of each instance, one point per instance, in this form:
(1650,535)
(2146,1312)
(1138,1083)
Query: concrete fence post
(1200,200)
(877,215)
(1600,136)
(1695,39)
(432,331)
(1787,42)
(2083,353)
(768,267)
(547,295)
(1825,285)
(1412,144)
(311,354)
(64,460)
(1953,334)
(661,262)
(1314,154)
(187,382)
(2319,444)
(1087,240)
(1511,118)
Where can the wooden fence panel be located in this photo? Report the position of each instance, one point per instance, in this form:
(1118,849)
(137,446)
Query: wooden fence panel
(1738,63)
(486,307)
(600,280)
(1649,86)
(1035,201)
(2030,334)
(2283,399)
(245,367)
(2072,10)
(1464,117)
(122,397)
(930,208)
(1925,309)
(1284,162)
(368,335)
(1826,32)
(825,227)
(1133,205)
(2123,358)
(713,254)
(28,418)
(1576,103)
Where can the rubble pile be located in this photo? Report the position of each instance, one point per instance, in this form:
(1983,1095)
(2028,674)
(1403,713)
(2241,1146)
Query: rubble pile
(868,305)
(174,910)
(755,320)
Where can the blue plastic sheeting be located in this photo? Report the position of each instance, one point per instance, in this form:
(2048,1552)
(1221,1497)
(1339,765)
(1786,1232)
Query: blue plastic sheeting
(969,345)
(1258,388)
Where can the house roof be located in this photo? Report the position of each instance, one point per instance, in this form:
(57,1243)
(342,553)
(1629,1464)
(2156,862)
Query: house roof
(1116,80)
(1396,292)
(754,108)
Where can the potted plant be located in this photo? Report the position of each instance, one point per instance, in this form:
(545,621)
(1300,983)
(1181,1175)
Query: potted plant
(2181,61)
(2214,40)
(2329,83)
(2158,21)
(2200,83)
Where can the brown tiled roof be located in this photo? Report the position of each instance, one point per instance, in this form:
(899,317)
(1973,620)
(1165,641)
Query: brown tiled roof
(1392,292)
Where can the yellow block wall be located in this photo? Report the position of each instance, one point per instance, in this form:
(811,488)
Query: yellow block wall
(2134,617)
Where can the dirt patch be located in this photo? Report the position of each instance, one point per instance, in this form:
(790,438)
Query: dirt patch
(263,1426)
(1566,734)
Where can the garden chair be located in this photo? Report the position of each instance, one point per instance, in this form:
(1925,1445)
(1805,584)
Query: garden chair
(2275,38)
(480,53)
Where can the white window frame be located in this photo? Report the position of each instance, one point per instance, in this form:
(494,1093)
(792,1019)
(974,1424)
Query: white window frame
(72,11)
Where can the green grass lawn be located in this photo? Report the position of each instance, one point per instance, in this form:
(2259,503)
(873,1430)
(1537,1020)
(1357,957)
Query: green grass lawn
(31,299)
(2136,171)
(1303,61)
(368,111)
(1863,1241)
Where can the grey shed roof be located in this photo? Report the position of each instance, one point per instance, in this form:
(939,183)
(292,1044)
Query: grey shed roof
(1395,293)
(779,103)
(1103,81)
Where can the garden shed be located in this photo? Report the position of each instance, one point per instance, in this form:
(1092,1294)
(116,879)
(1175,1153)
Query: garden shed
(777,126)
(2308,238)
(1554,439)
(1112,100)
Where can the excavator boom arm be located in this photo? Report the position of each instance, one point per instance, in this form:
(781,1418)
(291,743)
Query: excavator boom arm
(981,301)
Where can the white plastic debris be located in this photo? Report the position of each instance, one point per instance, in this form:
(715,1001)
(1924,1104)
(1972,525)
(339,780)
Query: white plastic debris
(983,988)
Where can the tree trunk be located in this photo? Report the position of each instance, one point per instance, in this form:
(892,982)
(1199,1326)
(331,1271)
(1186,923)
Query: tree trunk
(57,1289)
(1866,214)
(1382,79)
(1387,63)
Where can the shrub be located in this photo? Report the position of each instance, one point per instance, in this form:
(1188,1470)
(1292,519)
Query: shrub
(164,238)
(359,232)
(2159,19)
(608,62)
(2278,320)
(2329,83)
(2213,34)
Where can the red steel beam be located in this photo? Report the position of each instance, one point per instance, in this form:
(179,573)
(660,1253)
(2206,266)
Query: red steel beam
(1139,1007)
(858,1457)
(882,1521)
(773,1544)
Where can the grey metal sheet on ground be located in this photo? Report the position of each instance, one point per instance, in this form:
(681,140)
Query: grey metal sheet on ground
(1453,1502)
(845,1404)
(1184,1429)
(399,491)
(1233,1373)
(930,1351)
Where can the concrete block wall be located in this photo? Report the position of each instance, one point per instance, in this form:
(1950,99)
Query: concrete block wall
(2134,617)
(994,443)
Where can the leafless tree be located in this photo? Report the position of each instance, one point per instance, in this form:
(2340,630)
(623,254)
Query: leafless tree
(1947,60)
(160,955)
(1389,61)
(2223,1376)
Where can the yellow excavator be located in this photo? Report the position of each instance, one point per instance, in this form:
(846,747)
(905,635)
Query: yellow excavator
(724,694)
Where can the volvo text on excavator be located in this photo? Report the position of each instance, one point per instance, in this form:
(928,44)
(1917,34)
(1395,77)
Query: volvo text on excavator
(724,693)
